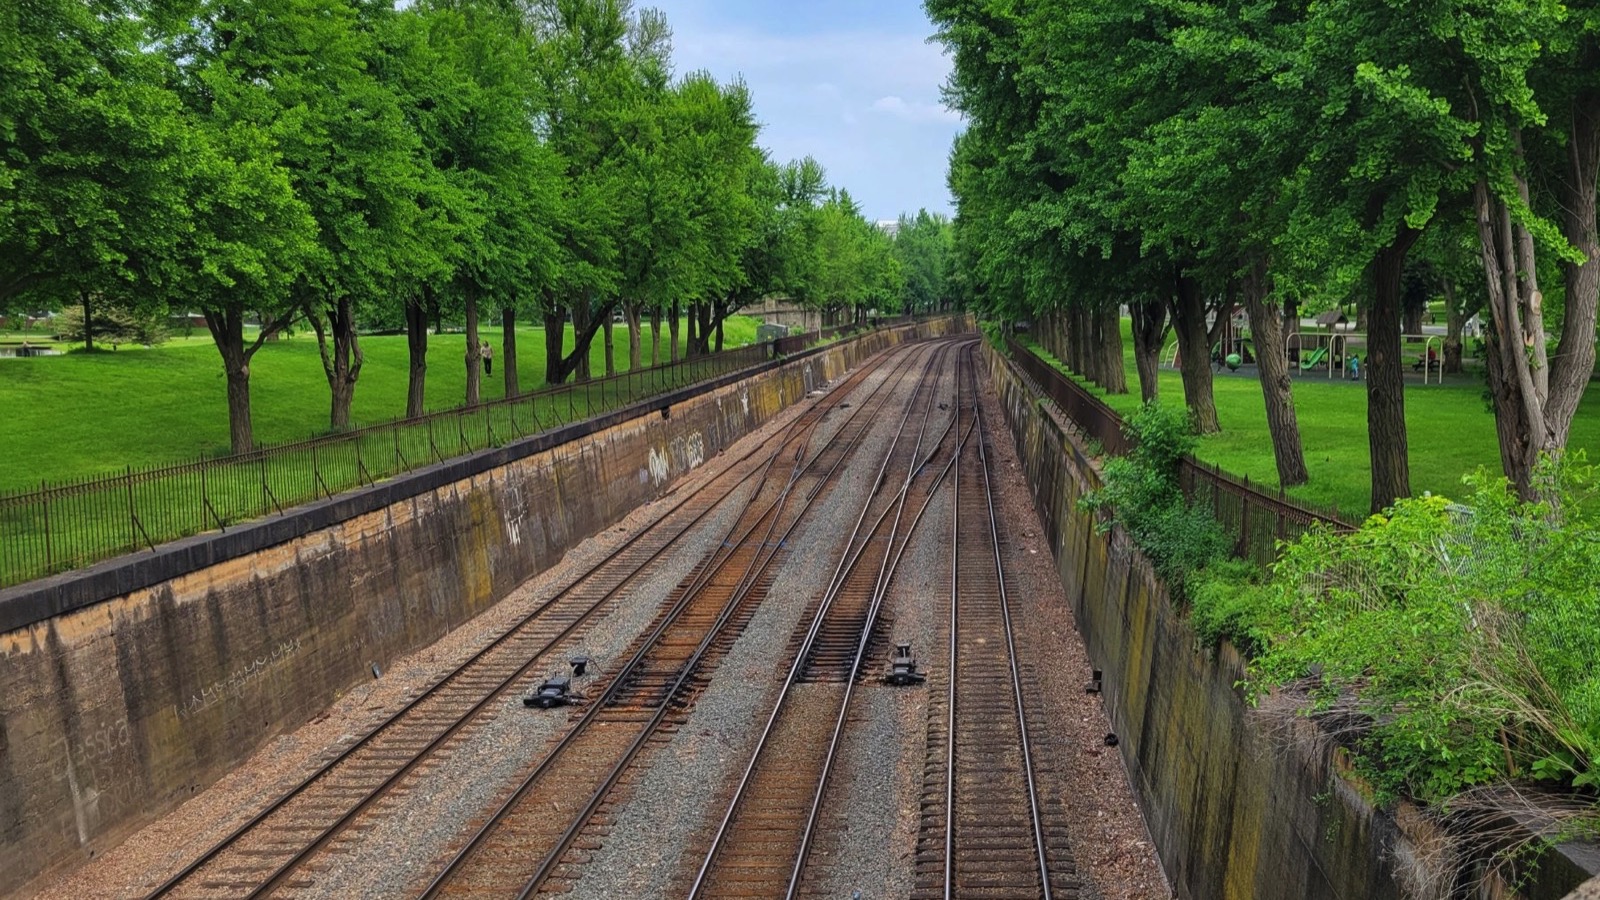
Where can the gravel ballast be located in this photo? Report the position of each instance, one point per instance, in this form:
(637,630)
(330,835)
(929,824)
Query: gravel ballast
(653,833)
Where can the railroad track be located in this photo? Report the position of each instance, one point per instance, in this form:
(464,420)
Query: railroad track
(270,851)
(519,845)
(985,831)
(760,847)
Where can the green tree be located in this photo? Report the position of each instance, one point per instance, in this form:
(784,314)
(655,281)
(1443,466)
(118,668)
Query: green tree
(93,150)
(249,237)
(922,243)
(354,161)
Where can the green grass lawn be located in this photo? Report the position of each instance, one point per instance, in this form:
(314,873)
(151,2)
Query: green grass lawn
(82,414)
(1451,432)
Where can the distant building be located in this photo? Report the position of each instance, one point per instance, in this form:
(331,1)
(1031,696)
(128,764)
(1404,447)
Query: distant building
(891,227)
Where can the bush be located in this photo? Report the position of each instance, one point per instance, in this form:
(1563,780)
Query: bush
(994,332)
(1464,641)
(1142,492)
(1229,601)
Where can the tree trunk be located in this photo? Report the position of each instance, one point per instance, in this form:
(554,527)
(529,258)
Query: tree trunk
(555,331)
(88,321)
(1149,332)
(1194,353)
(229,338)
(241,439)
(1385,374)
(1515,338)
(672,328)
(474,355)
(582,314)
(508,350)
(1414,302)
(704,308)
(1221,328)
(1108,348)
(655,336)
(417,352)
(226,325)
(341,364)
(1266,328)
(1575,353)
(610,347)
(635,339)
(1452,338)
(1079,337)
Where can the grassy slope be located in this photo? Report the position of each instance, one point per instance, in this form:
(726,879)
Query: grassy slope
(1451,433)
(82,414)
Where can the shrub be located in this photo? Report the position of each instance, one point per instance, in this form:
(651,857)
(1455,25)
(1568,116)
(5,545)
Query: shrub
(1142,492)
(1230,601)
(1464,641)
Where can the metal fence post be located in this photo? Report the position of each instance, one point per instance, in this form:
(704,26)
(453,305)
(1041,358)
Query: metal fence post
(1244,519)
(133,520)
(49,544)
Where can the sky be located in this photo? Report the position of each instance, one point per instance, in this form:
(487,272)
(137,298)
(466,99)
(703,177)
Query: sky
(853,84)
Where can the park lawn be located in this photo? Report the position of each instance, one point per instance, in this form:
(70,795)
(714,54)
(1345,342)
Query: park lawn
(1450,433)
(85,414)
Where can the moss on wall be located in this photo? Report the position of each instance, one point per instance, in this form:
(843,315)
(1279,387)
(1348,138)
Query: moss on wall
(1236,813)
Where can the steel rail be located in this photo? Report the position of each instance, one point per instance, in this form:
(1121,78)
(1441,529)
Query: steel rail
(1014,671)
(805,422)
(547,865)
(747,578)
(847,562)
(885,576)
(1011,652)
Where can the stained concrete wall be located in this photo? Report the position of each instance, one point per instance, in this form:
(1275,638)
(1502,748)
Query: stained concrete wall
(1235,813)
(128,687)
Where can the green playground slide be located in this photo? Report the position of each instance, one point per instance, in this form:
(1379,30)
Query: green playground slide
(1317,356)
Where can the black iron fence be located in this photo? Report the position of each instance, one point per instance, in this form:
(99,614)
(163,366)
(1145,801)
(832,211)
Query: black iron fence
(1257,518)
(67,525)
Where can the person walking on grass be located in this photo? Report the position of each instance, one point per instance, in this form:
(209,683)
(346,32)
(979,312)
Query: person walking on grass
(487,352)
(1355,367)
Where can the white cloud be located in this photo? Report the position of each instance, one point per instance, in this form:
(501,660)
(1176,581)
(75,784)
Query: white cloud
(915,112)
(865,102)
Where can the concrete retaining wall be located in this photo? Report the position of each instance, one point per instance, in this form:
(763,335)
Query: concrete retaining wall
(1235,813)
(127,687)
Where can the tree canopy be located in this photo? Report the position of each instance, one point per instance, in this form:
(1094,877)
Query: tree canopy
(356,166)
(1285,156)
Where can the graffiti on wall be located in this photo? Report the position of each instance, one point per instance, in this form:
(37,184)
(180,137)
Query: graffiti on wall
(212,694)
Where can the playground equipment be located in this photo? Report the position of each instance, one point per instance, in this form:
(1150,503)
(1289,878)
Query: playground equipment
(1233,341)
(1319,349)
(1430,362)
